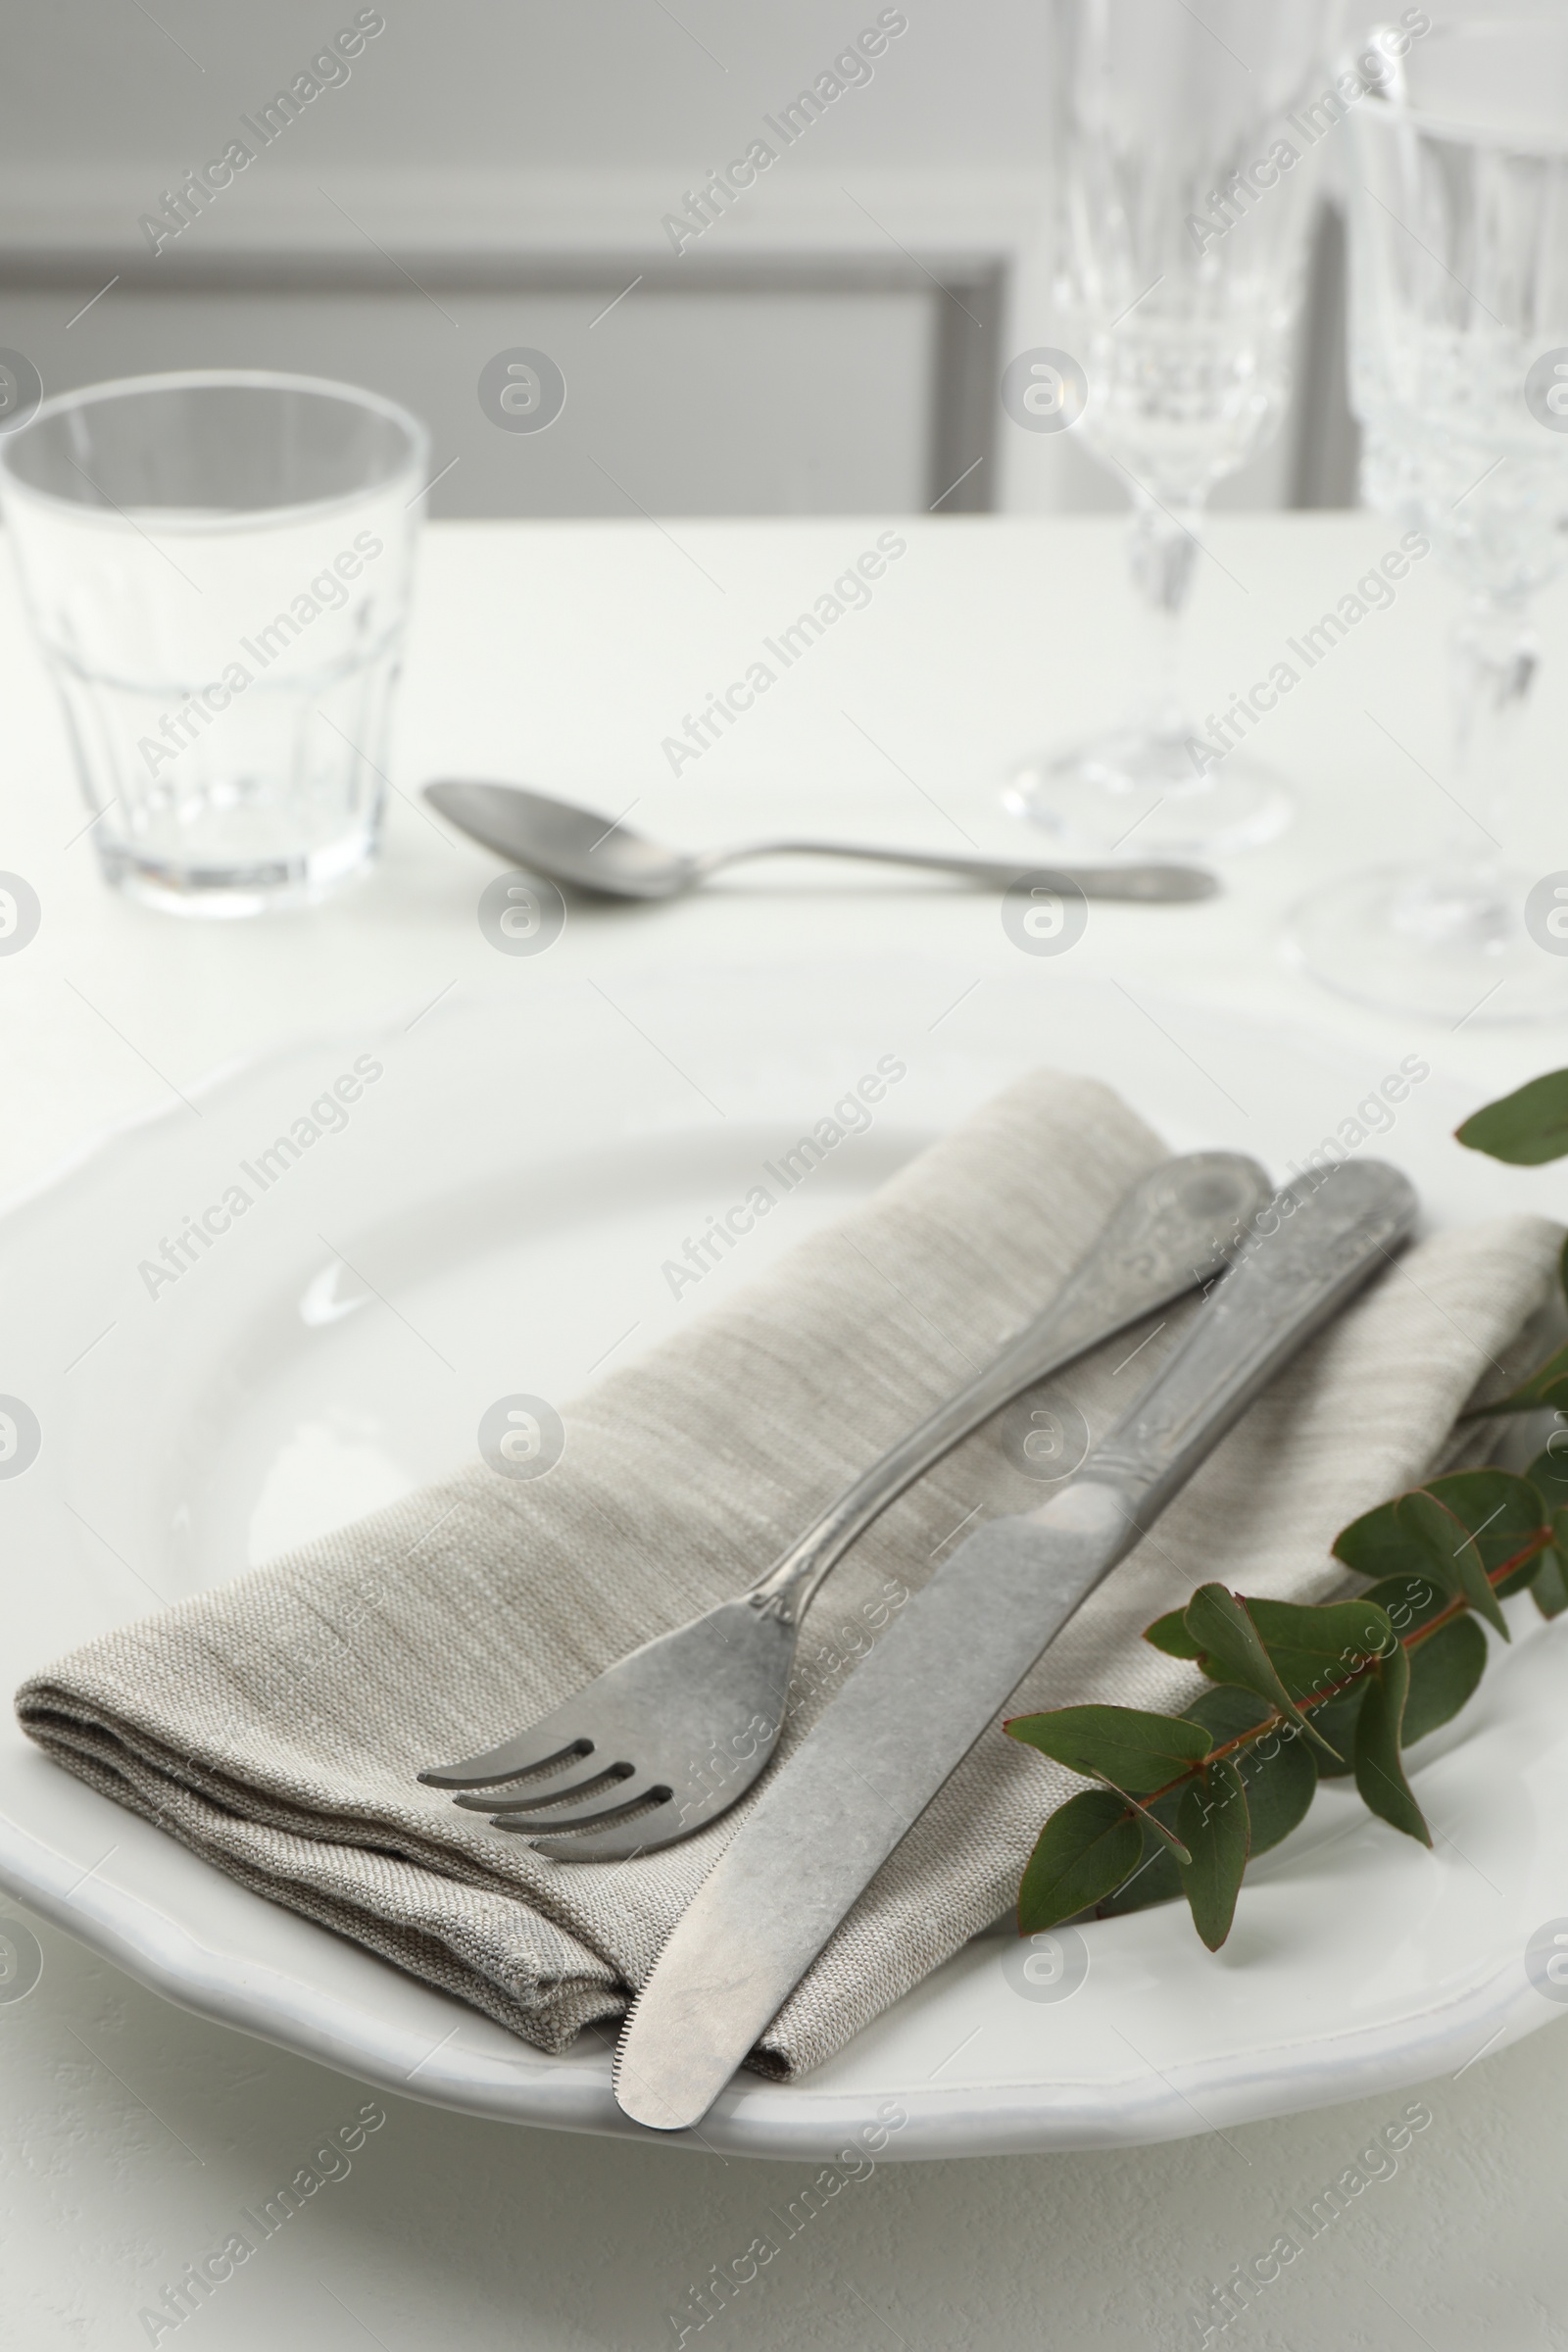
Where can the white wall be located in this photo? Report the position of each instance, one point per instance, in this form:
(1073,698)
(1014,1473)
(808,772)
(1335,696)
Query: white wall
(493,173)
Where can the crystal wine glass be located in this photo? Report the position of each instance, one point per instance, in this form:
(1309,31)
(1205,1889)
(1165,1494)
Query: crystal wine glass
(1459,374)
(1186,148)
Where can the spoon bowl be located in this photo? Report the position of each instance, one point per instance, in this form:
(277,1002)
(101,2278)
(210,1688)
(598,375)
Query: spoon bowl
(592,853)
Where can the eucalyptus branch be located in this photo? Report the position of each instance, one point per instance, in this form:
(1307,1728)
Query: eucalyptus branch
(1182,1802)
(1274,1722)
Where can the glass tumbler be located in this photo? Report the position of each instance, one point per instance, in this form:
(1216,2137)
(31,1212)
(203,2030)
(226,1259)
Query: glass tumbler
(219,566)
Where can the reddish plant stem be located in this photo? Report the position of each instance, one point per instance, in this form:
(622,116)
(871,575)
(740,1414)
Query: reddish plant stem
(1275,1721)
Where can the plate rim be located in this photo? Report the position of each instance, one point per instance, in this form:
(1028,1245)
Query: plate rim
(762,2119)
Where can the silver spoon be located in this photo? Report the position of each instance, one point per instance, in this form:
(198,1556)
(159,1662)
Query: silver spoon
(599,854)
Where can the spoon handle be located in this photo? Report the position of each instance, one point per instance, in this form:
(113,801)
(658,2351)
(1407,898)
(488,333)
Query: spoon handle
(1150,883)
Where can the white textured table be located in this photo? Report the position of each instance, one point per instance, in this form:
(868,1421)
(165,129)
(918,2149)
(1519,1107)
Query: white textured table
(565,653)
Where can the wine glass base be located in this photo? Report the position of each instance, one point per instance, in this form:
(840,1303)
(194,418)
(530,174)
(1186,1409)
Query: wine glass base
(1430,943)
(1146,788)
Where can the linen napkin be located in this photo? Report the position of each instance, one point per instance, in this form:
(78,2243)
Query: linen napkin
(275,1724)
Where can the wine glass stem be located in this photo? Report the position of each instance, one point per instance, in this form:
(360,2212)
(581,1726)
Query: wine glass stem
(1495,657)
(1162,550)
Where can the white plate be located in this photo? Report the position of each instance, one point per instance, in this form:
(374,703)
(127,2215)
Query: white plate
(511,1185)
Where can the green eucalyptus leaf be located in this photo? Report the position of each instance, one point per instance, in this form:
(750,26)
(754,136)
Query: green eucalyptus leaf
(1213,1824)
(1088,1847)
(1337,1720)
(1277,1795)
(1551,1588)
(1408,1601)
(1455,1529)
(1444,1670)
(1525,1128)
(1377,1546)
(1124,1745)
(1156,1878)
(1169,1634)
(1232,1651)
(1500,1509)
(1550,1591)
(1313,1647)
(1158,1828)
(1549,1472)
(1445,1667)
(1226,1711)
(1379,1769)
(1450,1552)
(1522,1576)
(1548,1475)
(1280,1773)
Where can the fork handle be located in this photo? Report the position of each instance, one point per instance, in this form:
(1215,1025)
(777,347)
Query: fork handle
(1173,1229)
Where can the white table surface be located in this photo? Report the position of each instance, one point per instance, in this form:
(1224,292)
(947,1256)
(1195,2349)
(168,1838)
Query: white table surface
(563,654)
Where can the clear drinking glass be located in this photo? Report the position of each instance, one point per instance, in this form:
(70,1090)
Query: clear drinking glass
(1185,143)
(219,566)
(1459,374)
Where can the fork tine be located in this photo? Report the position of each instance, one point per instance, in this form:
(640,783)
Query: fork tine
(548,1741)
(619,1841)
(544,1790)
(607,1807)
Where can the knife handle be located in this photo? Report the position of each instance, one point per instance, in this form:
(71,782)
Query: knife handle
(1311,1248)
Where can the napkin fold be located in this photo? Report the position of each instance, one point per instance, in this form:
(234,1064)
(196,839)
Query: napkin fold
(275,1724)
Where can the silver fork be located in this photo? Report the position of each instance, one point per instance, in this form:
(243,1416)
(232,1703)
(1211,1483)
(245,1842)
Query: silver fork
(671,1735)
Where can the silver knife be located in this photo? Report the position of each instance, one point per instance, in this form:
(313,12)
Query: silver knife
(833,1812)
